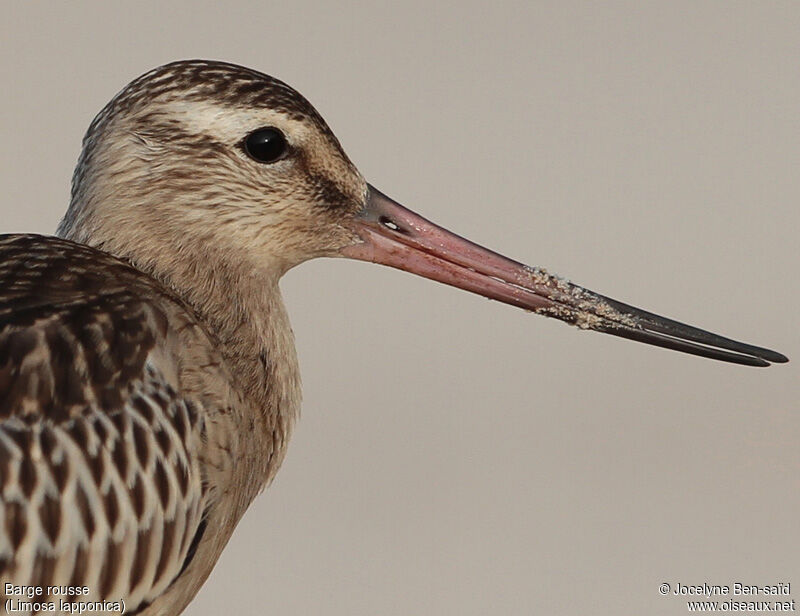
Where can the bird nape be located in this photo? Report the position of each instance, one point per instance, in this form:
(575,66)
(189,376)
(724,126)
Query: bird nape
(148,377)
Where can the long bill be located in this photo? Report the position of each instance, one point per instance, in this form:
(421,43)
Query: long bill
(394,235)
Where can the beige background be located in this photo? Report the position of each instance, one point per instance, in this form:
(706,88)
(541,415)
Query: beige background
(457,456)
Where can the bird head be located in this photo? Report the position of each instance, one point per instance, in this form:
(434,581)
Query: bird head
(212,157)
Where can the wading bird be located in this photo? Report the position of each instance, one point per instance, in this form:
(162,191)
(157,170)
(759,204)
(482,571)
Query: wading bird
(148,376)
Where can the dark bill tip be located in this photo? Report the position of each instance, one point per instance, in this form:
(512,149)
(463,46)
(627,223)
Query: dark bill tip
(661,331)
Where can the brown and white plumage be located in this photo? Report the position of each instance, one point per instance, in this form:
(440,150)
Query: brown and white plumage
(118,439)
(148,378)
(139,420)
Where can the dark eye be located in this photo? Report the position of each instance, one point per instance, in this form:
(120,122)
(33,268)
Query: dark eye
(266,145)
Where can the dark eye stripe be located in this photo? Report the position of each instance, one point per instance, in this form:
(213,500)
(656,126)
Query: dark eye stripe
(265,145)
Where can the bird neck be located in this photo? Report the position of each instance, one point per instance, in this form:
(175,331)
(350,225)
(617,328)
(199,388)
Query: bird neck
(239,303)
(243,310)
(257,341)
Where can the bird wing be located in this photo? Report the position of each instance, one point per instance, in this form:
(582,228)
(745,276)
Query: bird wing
(100,482)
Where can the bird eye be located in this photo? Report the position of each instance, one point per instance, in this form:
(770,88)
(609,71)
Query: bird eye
(265,145)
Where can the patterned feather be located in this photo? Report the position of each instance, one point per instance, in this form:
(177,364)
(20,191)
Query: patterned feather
(100,474)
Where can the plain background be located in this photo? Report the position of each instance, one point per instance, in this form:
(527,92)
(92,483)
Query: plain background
(457,456)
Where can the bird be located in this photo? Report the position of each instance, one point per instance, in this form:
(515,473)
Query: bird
(149,382)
